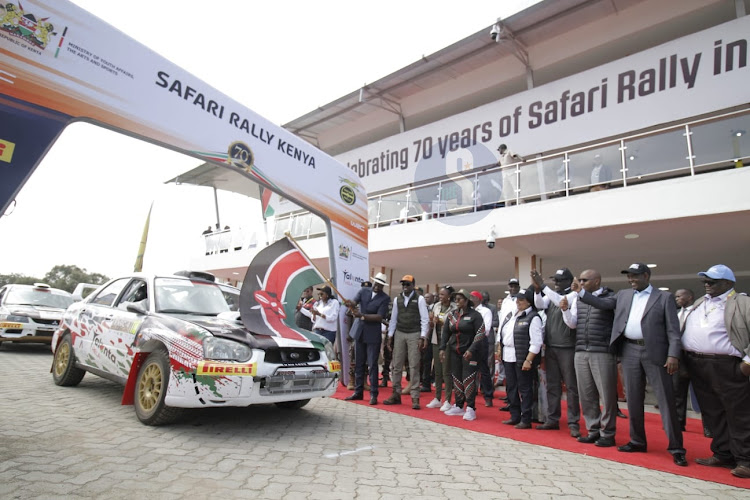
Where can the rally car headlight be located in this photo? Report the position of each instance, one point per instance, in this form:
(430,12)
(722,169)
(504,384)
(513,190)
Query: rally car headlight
(330,353)
(226,350)
(14,318)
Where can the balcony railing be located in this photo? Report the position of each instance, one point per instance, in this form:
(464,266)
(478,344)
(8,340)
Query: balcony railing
(680,150)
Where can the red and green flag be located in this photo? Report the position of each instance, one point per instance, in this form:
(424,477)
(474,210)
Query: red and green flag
(273,284)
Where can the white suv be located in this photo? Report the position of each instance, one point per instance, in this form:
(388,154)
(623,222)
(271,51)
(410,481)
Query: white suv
(31,313)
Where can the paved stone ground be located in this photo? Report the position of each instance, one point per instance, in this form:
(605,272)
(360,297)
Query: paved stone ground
(79,442)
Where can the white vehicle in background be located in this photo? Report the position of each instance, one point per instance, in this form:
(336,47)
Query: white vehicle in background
(31,313)
(175,342)
(83,290)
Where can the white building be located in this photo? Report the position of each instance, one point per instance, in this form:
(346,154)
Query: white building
(648,98)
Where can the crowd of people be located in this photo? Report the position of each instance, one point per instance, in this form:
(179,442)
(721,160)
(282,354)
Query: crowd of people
(572,337)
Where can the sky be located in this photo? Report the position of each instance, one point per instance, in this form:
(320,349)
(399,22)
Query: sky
(87,202)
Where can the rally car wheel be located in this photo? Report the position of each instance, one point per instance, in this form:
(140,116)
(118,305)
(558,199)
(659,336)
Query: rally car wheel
(151,389)
(293,405)
(64,370)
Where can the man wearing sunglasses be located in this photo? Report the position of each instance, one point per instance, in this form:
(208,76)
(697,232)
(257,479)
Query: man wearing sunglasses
(595,363)
(717,354)
(646,335)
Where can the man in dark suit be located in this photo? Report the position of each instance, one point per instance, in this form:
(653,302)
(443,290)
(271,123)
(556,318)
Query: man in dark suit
(373,307)
(646,334)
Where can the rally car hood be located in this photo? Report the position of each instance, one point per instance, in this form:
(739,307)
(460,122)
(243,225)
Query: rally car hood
(234,330)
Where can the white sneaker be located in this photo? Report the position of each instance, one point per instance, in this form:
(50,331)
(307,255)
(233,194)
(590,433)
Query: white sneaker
(455,411)
(435,403)
(446,406)
(470,414)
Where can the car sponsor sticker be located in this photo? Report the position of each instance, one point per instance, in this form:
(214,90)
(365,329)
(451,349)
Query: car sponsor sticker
(226,369)
(334,366)
(6,150)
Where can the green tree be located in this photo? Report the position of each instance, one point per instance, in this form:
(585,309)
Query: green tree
(20,279)
(67,277)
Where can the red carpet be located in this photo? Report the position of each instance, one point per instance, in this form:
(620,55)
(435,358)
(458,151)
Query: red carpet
(489,421)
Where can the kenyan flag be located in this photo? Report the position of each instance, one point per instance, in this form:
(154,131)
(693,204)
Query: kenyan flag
(273,284)
(265,198)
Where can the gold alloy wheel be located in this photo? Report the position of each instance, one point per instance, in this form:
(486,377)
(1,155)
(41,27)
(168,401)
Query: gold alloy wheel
(149,389)
(62,358)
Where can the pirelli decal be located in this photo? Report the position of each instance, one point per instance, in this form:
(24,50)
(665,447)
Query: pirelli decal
(216,369)
(334,366)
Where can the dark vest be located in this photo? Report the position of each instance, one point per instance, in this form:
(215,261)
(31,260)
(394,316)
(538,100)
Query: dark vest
(522,337)
(408,320)
(556,332)
(594,328)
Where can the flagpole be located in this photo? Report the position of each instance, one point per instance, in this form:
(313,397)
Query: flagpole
(296,245)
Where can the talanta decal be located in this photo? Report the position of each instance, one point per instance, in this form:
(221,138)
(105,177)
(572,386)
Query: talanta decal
(226,369)
(334,366)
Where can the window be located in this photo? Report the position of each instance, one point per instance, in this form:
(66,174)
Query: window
(135,293)
(108,294)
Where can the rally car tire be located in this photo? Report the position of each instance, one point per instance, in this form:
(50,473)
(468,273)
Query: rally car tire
(64,370)
(151,389)
(293,405)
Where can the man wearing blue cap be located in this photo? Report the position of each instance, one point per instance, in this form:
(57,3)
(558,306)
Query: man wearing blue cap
(646,336)
(716,340)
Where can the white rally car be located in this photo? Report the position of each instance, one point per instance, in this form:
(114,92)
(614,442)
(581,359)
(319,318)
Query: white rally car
(175,342)
(31,313)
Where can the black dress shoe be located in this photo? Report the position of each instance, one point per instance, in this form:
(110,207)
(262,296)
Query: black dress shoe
(715,462)
(548,427)
(679,459)
(591,438)
(354,397)
(373,400)
(620,414)
(505,408)
(632,448)
(605,442)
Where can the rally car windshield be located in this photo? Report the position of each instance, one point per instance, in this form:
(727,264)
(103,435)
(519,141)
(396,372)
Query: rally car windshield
(38,297)
(178,296)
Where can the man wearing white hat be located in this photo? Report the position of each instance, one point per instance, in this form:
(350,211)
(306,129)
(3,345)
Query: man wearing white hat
(716,339)
(373,307)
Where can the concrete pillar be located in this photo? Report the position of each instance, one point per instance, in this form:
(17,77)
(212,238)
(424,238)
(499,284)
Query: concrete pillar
(525,263)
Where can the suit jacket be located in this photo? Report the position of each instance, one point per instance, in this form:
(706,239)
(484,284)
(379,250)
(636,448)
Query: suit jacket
(371,332)
(659,324)
(737,321)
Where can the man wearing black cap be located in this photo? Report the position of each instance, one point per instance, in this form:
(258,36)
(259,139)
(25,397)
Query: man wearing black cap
(716,340)
(646,334)
(559,354)
(509,302)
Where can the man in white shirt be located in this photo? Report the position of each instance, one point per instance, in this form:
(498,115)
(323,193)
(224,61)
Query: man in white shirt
(646,334)
(510,183)
(407,336)
(509,302)
(716,340)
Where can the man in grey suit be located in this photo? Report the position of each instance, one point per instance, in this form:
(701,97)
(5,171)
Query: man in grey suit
(646,334)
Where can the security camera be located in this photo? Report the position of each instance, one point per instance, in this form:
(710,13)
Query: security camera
(491,238)
(495,32)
